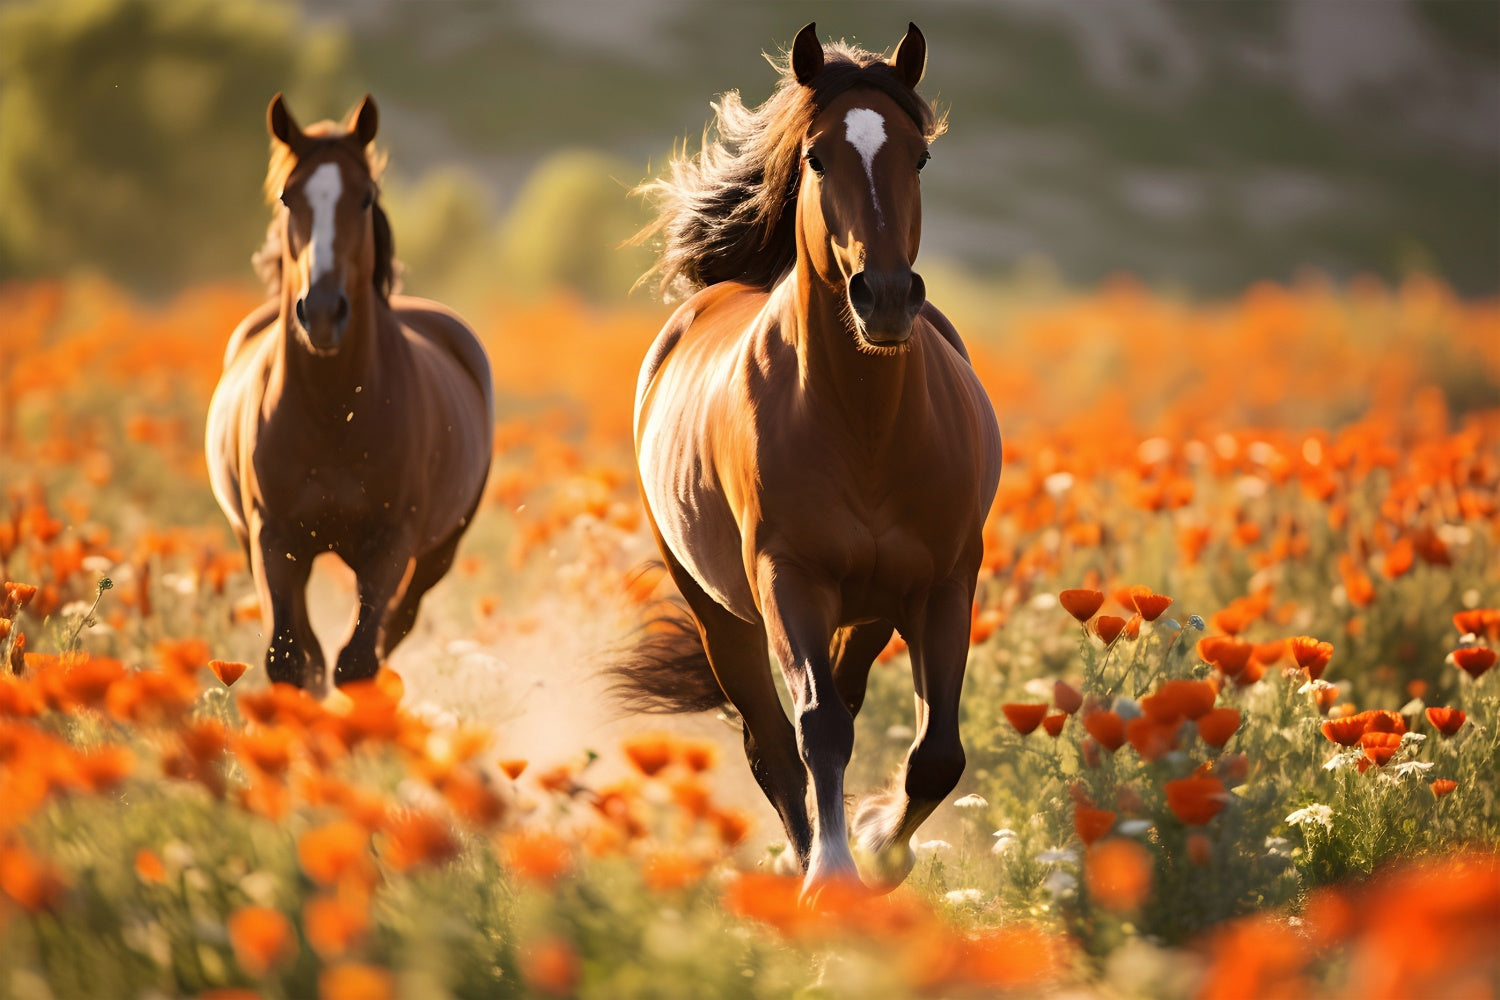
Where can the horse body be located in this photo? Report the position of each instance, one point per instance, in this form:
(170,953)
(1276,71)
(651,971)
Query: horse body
(375,449)
(817,457)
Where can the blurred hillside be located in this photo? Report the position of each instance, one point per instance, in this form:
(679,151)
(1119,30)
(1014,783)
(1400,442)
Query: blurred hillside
(1198,145)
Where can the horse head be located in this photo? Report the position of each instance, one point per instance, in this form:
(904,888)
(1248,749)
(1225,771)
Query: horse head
(333,226)
(860,203)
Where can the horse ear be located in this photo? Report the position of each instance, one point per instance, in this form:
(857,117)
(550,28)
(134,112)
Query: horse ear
(807,54)
(366,121)
(280,124)
(910,57)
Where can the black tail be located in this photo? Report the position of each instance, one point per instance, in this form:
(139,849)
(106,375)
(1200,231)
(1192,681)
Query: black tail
(665,670)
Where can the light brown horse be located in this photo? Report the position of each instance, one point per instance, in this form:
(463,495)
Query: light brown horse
(346,421)
(815,452)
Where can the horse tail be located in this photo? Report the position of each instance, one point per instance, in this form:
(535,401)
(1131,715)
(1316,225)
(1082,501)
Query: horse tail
(665,670)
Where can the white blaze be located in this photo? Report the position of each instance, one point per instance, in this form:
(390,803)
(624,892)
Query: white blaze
(865,130)
(323,190)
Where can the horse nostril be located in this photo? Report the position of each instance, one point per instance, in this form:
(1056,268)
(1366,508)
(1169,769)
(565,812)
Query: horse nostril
(860,297)
(916,297)
(302,311)
(343,309)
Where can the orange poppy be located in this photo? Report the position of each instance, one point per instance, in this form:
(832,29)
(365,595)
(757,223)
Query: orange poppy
(1090,824)
(1118,873)
(1108,628)
(356,981)
(28,879)
(731,825)
(104,768)
(1475,621)
(1311,654)
(1199,849)
(1229,654)
(334,924)
(471,798)
(1151,739)
(1446,720)
(1217,725)
(418,838)
(1081,603)
(228,671)
(650,752)
(513,768)
(1147,603)
(699,755)
(262,939)
(1398,559)
(551,967)
(1442,786)
(1053,724)
(1474,660)
(1066,697)
(148,866)
(1179,699)
(1379,746)
(1025,717)
(334,851)
(267,749)
(1105,727)
(1195,800)
(1269,653)
(538,856)
(671,869)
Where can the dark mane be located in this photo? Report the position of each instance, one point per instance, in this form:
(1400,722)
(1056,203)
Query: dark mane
(728,212)
(267,259)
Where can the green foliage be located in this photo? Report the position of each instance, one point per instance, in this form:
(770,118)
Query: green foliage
(133,142)
(568,226)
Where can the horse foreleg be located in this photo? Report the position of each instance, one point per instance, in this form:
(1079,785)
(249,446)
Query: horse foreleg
(799,620)
(885,823)
(853,654)
(293,655)
(429,569)
(382,578)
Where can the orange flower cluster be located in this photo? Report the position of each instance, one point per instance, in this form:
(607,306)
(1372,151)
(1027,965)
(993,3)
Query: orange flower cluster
(1444,940)
(933,956)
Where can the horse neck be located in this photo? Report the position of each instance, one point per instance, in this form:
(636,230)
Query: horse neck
(332,379)
(868,388)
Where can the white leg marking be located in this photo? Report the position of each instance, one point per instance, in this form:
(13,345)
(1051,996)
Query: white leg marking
(865,130)
(323,190)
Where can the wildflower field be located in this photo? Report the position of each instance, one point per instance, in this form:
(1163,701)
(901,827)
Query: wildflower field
(1231,713)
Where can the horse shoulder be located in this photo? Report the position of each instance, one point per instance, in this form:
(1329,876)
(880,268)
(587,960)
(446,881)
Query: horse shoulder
(443,327)
(251,327)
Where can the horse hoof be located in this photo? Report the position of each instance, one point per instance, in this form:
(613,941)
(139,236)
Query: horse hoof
(883,870)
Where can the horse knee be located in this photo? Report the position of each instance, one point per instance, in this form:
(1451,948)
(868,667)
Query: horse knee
(827,730)
(934,769)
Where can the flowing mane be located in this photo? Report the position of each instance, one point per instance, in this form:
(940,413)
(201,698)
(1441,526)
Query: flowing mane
(728,212)
(267,259)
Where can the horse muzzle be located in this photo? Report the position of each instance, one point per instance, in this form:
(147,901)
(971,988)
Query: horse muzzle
(323,314)
(885,303)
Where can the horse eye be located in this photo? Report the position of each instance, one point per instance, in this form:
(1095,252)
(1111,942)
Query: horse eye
(923,161)
(815,163)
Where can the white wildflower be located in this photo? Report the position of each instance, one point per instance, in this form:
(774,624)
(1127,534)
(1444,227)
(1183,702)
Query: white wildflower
(1004,841)
(1315,813)
(1127,708)
(964,897)
(971,801)
(1056,855)
(1134,827)
(1343,759)
(933,846)
(1410,767)
(97,565)
(1060,883)
(1278,847)
(1411,739)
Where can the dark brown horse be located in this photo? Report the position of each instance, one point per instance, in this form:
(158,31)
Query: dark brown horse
(346,420)
(815,452)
